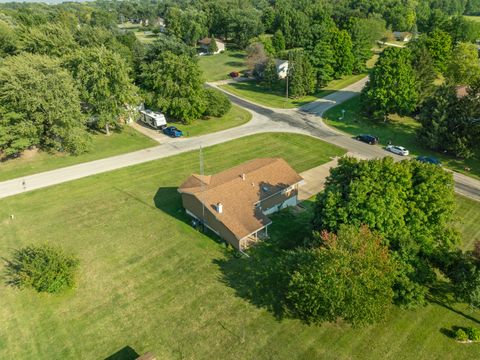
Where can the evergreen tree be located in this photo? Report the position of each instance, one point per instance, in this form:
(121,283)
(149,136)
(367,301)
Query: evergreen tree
(212,48)
(278,41)
(343,59)
(301,75)
(270,75)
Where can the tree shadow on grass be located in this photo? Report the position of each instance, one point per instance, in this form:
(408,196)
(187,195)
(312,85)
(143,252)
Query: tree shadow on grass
(442,294)
(263,277)
(259,279)
(235,63)
(126,353)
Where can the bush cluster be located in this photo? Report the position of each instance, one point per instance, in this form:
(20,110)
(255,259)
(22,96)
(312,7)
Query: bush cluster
(218,103)
(43,268)
(470,333)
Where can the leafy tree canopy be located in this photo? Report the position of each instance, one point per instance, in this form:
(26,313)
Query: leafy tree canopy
(105,86)
(349,276)
(40,106)
(410,204)
(392,86)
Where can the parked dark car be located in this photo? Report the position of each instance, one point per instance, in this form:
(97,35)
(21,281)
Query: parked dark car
(234,74)
(429,160)
(369,139)
(172,131)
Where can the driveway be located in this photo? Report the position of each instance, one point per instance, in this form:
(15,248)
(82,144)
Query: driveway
(306,120)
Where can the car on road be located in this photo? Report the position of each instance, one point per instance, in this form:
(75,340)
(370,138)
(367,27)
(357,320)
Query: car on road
(429,160)
(399,150)
(234,74)
(369,139)
(172,131)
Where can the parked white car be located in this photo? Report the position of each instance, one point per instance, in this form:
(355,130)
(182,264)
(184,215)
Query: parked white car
(399,150)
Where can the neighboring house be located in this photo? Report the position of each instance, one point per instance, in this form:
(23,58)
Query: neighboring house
(205,45)
(462,91)
(402,36)
(235,203)
(282,68)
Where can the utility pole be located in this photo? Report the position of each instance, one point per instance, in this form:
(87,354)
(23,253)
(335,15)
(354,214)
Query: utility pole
(202,186)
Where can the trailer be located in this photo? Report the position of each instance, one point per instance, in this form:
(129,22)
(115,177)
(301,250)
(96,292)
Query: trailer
(153,119)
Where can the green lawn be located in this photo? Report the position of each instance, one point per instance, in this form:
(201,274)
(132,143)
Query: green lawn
(399,130)
(150,282)
(217,67)
(102,147)
(139,32)
(473,18)
(275,98)
(235,117)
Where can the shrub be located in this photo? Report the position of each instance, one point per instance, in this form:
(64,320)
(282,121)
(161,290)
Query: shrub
(461,335)
(43,268)
(473,333)
(218,103)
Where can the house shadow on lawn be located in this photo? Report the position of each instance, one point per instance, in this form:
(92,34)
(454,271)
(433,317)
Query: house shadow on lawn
(126,353)
(262,278)
(169,200)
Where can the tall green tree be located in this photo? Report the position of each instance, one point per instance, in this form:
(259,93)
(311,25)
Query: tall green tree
(175,86)
(48,39)
(270,75)
(301,74)
(105,85)
(364,34)
(344,60)
(392,85)
(278,41)
(464,65)
(409,204)
(39,106)
(439,43)
(349,276)
(450,123)
(9,41)
(424,68)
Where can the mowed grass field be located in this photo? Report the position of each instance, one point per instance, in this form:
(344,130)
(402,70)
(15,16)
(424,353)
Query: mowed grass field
(275,98)
(102,146)
(236,116)
(150,282)
(398,130)
(218,67)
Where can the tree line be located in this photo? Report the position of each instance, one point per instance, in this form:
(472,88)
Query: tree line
(68,70)
(436,79)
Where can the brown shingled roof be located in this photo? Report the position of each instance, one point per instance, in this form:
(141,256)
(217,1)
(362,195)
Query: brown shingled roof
(238,195)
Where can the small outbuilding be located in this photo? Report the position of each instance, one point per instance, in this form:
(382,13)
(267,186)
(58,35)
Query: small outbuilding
(403,36)
(235,203)
(205,45)
(282,68)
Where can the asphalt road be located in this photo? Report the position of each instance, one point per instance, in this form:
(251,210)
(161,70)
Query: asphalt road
(306,120)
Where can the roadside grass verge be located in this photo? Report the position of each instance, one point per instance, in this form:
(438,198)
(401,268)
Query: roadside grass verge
(275,98)
(103,146)
(236,116)
(218,67)
(148,281)
(399,130)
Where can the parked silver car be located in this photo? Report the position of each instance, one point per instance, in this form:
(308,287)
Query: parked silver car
(399,150)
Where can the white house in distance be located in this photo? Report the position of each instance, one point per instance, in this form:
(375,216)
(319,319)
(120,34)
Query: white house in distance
(282,68)
(205,45)
(402,36)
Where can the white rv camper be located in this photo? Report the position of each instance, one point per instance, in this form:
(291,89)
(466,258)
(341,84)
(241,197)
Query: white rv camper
(153,119)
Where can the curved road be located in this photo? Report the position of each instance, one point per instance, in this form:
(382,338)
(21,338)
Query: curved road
(306,120)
